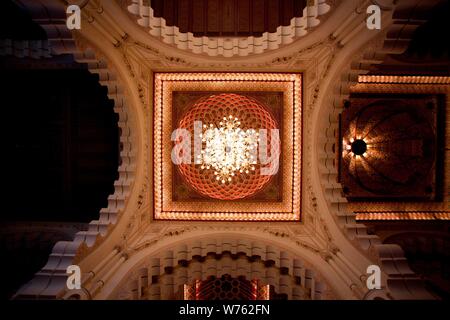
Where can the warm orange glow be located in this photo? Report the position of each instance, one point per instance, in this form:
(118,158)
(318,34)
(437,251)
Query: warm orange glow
(404,215)
(404,79)
(288,209)
(236,173)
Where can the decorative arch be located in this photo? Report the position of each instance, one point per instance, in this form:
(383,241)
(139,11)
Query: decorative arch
(50,281)
(161,273)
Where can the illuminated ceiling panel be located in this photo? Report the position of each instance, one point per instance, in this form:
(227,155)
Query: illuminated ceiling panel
(227,146)
(389,148)
(226,166)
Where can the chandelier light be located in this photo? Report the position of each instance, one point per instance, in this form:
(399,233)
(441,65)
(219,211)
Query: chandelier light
(233,146)
(228,150)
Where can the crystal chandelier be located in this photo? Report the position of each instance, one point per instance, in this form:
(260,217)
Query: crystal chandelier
(228,150)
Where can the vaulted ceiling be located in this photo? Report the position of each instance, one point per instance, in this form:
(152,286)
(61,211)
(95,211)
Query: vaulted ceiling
(65,136)
(228,17)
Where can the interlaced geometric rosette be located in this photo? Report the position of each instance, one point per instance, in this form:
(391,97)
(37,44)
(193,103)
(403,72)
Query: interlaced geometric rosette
(211,110)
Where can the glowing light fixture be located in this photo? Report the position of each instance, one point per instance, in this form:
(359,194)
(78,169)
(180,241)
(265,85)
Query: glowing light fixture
(229,150)
(211,110)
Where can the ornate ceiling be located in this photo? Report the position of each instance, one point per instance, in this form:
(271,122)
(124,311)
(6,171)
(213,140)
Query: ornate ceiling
(250,124)
(145,74)
(413,172)
(389,147)
(239,31)
(226,18)
(227,165)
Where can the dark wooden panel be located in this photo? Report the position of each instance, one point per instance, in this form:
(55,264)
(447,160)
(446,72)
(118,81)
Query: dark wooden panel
(299,5)
(158,6)
(243,13)
(287,12)
(228,16)
(169,10)
(213,16)
(198,22)
(183,15)
(273,15)
(258,16)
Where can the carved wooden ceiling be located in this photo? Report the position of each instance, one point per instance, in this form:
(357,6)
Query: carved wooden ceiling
(389,147)
(228,17)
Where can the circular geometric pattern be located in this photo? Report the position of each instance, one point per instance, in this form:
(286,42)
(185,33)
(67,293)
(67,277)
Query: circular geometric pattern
(211,110)
(396,142)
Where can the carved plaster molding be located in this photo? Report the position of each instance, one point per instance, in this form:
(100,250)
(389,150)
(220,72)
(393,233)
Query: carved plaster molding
(227,47)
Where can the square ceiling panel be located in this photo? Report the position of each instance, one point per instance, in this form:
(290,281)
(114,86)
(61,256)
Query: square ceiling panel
(227,146)
(389,148)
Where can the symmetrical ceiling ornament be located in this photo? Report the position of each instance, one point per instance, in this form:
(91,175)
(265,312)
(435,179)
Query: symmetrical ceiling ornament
(237,146)
(389,148)
(231,46)
(228,166)
(105,33)
(415,209)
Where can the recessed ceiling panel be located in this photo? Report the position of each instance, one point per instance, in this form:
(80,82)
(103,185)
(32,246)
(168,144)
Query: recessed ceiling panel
(227,146)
